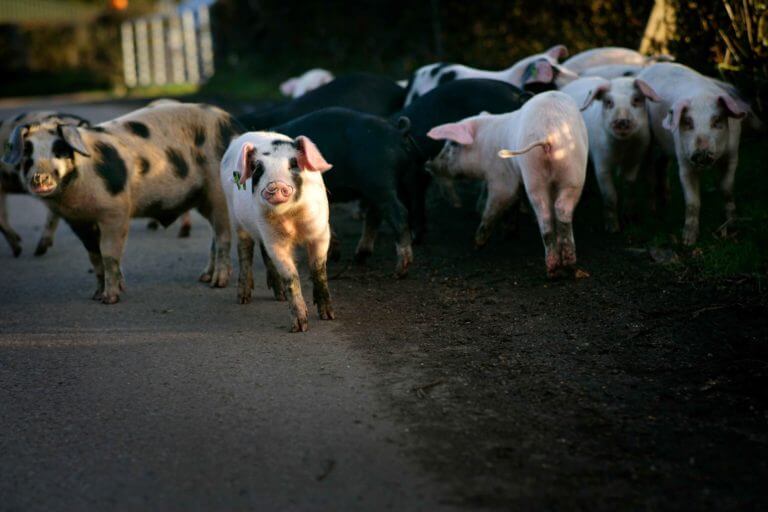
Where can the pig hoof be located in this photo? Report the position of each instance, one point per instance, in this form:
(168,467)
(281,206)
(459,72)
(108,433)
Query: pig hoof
(152,225)
(220,278)
(16,250)
(299,324)
(206,277)
(98,294)
(184,231)
(325,312)
(361,255)
(690,237)
(42,246)
(110,298)
(244,297)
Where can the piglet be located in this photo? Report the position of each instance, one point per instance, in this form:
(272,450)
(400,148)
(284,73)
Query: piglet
(276,195)
(699,122)
(550,141)
(619,136)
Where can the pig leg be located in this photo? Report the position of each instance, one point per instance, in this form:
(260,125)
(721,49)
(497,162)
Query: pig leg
(542,207)
(186,225)
(610,199)
(14,240)
(114,233)
(245,246)
(396,216)
(565,203)
(281,254)
(219,268)
(630,201)
(728,174)
(316,252)
(371,224)
(274,282)
(89,235)
(689,179)
(448,191)
(46,240)
(501,195)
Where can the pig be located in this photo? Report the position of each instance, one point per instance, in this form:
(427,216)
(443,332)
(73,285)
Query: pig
(539,68)
(308,81)
(10,181)
(619,135)
(447,103)
(375,162)
(155,162)
(358,91)
(275,192)
(550,145)
(610,55)
(611,71)
(699,123)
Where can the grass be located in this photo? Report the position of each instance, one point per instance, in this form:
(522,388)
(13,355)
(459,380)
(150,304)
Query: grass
(744,251)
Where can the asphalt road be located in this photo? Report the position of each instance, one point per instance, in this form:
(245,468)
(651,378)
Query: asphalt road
(178,398)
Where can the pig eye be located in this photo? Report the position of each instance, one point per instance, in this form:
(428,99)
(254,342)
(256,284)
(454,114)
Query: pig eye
(686,123)
(638,101)
(608,102)
(293,165)
(718,122)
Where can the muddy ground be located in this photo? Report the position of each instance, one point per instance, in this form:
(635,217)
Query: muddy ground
(640,387)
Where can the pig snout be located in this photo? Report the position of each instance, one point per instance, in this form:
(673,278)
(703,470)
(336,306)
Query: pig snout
(702,157)
(622,126)
(277,192)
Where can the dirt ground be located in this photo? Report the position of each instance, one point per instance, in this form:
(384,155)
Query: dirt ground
(636,388)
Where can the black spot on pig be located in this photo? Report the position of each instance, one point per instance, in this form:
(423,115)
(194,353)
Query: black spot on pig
(27,165)
(138,129)
(280,142)
(267,153)
(97,129)
(446,77)
(199,136)
(143,165)
(88,233)
(18,117)
(167,215)
(201,160)
(179,165)
(298,181)
(437,68)
(61,149)
(28,149)
(226,129)
(111,167)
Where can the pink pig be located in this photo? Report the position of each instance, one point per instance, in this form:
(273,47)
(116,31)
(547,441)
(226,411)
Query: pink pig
(550,141)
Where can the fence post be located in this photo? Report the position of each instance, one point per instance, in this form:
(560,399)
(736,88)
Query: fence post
(158,51)
(129,62)
(190,46)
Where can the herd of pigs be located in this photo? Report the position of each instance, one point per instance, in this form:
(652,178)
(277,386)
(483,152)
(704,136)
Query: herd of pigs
(270,174)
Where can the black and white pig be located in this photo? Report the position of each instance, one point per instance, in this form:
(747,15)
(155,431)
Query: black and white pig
(364,92)
(550,149)
(276,195)
(155,162)
(699,123)
(448,103)
(10,179)
(542,68)
(373,161)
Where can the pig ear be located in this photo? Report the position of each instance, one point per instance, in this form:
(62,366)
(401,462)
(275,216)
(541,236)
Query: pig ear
(71,136)
(309,157)
(596,94)
(12,155)
(288,86)
(463,133)
(558,52)
(647,90)
(732,107)
(672,119)
(245,170)
(540,71)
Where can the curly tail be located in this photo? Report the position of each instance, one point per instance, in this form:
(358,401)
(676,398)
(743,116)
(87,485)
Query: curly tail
(508,153)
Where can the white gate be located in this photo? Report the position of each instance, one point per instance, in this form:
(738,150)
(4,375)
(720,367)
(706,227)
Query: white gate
(171,48)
